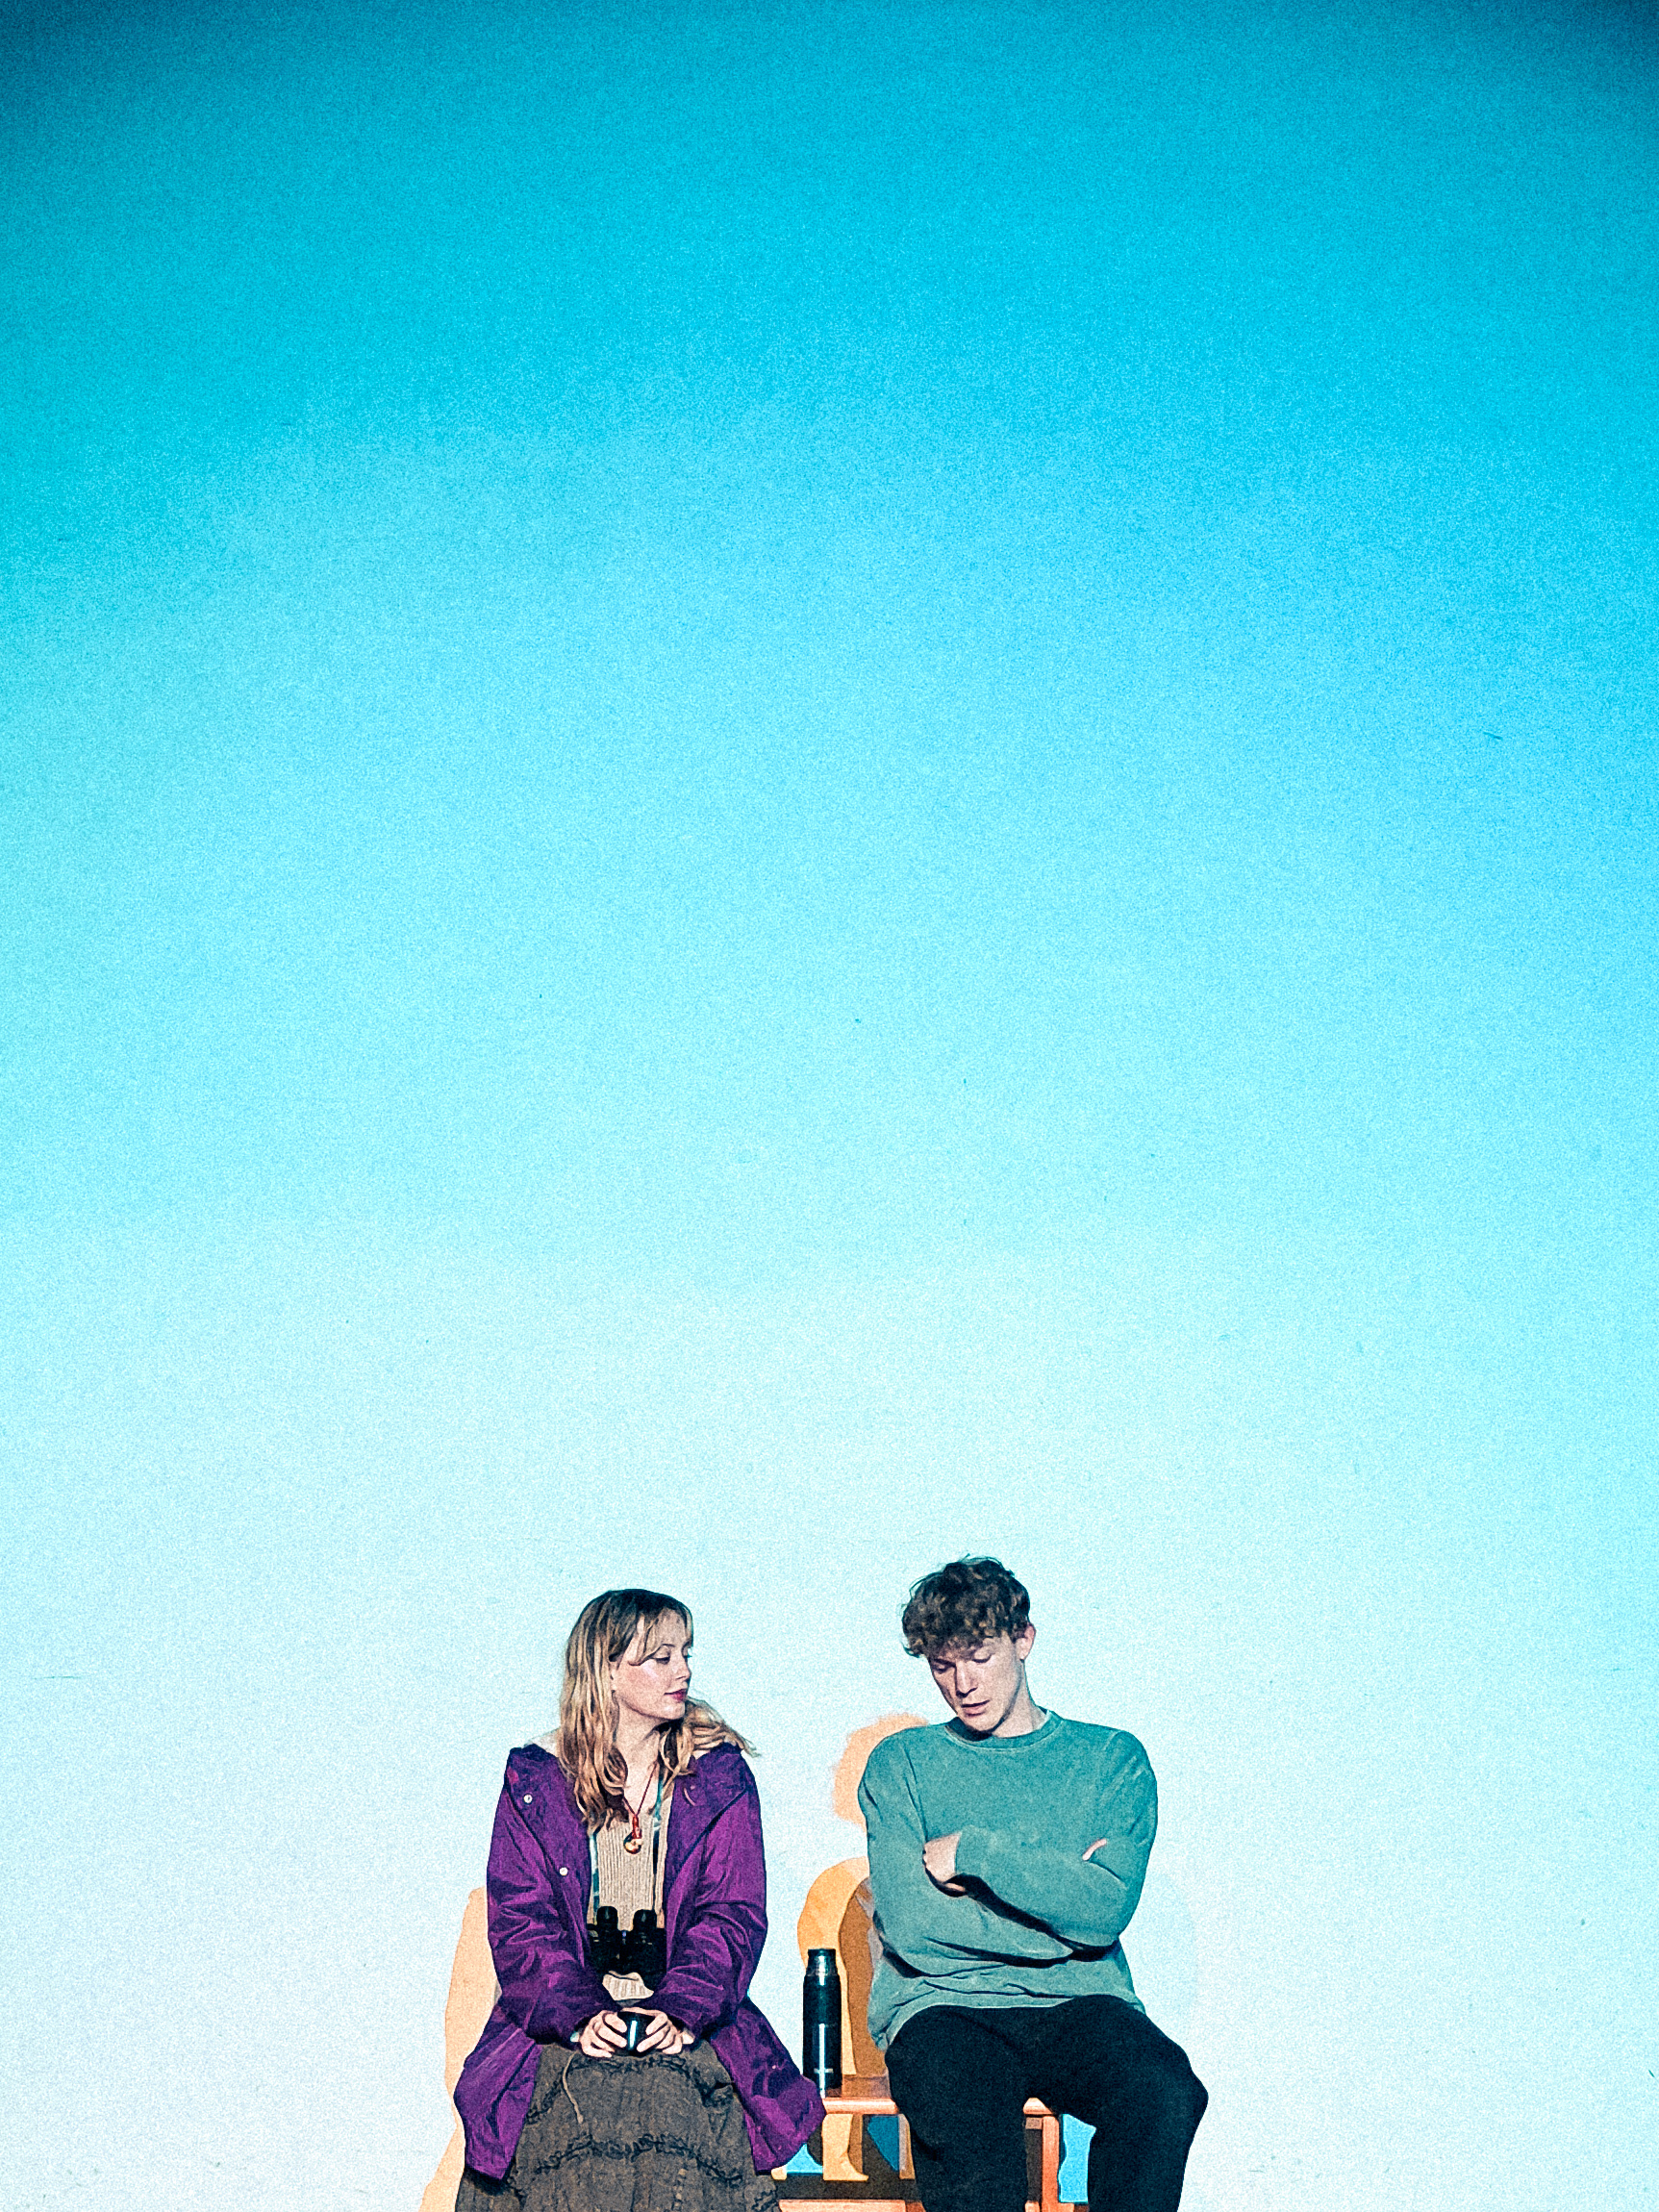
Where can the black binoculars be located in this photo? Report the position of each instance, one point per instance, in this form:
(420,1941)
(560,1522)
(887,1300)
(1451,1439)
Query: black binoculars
(643,1951)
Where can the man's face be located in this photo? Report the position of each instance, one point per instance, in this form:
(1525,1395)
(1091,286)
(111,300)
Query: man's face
(984,1682)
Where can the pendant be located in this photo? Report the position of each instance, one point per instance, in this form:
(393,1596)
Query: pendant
(632,1845)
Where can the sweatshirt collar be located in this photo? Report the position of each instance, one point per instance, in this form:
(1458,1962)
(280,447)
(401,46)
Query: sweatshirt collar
(1045,1732)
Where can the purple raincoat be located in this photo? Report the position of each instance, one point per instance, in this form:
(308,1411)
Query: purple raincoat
(714,1912)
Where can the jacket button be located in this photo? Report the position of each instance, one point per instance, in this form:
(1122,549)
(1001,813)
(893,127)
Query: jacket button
(564,1871)
(527,1797)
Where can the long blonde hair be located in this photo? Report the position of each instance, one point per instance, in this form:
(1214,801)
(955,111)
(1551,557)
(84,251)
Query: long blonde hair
(585,1743)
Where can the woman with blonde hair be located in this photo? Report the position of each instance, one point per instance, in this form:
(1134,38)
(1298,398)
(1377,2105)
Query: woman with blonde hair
(623,2065)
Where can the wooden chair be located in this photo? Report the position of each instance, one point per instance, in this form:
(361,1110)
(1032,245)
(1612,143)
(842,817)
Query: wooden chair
(837,1915)
(472,1991)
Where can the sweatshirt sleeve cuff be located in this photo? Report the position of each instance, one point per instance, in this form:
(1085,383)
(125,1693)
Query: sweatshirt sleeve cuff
(975,1848)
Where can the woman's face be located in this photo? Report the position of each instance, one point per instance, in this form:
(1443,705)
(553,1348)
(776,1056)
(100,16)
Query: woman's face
(654,1675)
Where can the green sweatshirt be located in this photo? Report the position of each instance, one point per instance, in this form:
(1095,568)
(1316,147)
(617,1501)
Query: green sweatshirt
(1039,1923)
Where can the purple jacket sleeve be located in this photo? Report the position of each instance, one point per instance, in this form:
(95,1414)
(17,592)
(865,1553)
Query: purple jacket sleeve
(547,1986)
(721,1923)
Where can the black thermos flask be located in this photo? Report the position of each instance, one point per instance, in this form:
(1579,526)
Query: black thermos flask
(820,2021)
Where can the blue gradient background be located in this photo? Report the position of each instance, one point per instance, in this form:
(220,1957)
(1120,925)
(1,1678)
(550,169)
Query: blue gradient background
(787,787)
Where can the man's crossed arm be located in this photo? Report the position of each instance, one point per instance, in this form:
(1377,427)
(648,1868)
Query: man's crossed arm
(979,1892)
(938,1857)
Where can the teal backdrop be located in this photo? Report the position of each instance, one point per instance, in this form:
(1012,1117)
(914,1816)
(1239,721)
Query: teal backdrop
(788,785)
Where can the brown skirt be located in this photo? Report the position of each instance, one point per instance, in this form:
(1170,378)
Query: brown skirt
(623,2134)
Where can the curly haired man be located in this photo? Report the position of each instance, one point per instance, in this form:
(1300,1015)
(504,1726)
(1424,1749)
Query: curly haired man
(1007,1850)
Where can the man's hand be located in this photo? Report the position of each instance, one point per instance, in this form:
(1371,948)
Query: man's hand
(938,1857)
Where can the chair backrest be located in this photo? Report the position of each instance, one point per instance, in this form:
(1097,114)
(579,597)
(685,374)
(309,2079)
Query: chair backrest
(473,1994)
(839,1916)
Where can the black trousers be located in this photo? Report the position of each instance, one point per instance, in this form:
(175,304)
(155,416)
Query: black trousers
(961,2076)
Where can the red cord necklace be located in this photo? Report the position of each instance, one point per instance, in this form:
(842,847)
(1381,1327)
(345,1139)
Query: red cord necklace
(633,1843)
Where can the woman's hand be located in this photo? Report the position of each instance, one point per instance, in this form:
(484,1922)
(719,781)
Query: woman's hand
(664,2035)
(607,2033)
(602,2036)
